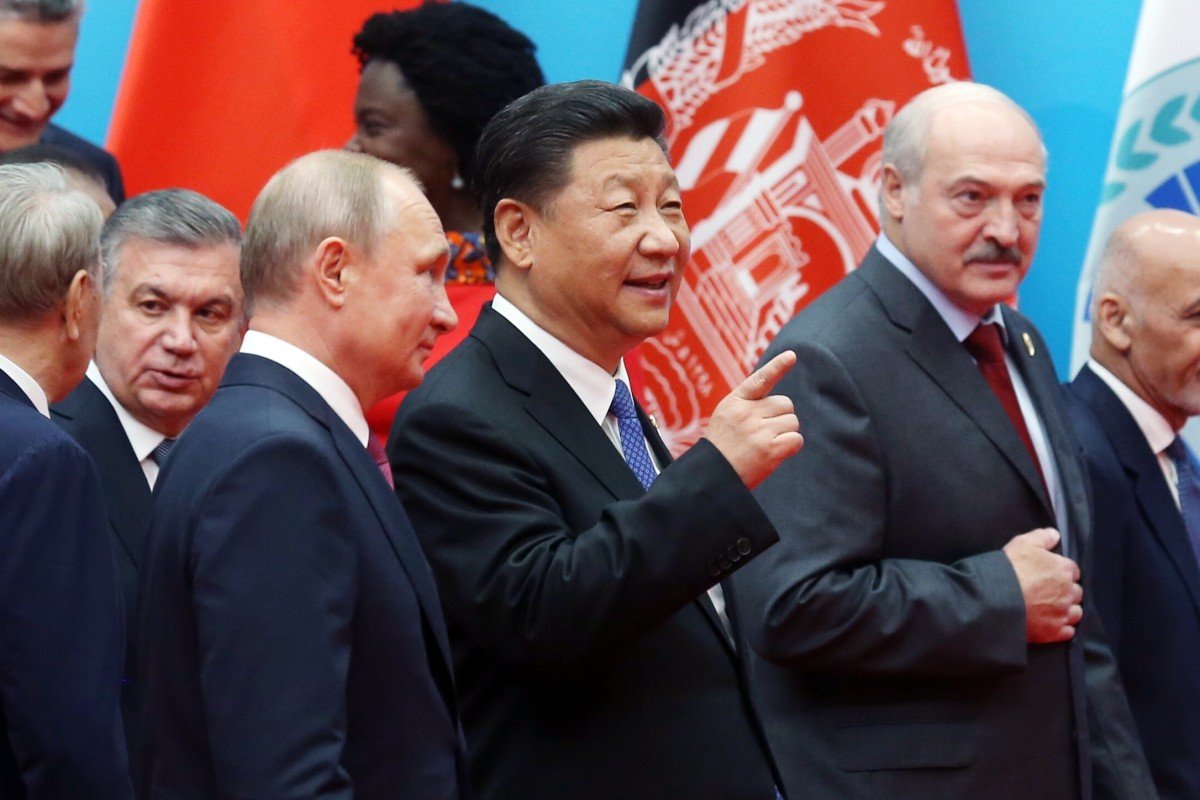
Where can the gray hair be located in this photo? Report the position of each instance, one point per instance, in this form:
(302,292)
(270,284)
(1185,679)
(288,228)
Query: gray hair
(905,138)
(42,10)
(323,194)
(178,217)
(49,232)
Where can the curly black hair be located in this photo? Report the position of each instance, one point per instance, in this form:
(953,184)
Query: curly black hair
(463,62)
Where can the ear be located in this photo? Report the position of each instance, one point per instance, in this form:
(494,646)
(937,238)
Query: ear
(331,267)
(891,191)
(514,231)
(81,306)
(1113,321)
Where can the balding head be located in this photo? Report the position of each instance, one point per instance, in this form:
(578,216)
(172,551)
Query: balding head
(345,259)
(1146,310)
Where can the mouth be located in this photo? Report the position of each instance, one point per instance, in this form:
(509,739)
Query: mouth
(171,379)
(655,282)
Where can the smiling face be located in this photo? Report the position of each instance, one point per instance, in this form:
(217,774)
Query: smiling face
(391,125)
(607,253)
(35,76)
(970,219)
(171,321)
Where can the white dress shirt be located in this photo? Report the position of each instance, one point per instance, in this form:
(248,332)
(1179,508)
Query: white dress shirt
(324,381)
(1154,426)
(592,383)
(961,324)
(31,388)
(142,438)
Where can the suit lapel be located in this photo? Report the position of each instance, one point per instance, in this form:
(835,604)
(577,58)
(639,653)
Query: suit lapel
(555,406)
(1150,489)
(90,418)
(943,358)
(263,372)
(1028,352)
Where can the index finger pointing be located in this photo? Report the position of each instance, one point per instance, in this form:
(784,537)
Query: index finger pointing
(760,382)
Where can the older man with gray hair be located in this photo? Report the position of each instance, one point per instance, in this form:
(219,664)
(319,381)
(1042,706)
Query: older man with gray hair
(37,52)
(60,626)
(172,317)
(291,642)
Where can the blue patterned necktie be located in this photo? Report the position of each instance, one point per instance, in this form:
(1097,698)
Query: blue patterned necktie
(159,454)
(1187,480)
(633,442)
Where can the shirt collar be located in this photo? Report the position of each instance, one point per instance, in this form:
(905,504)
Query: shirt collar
(32,389)
(960,322)
(1158,432)
(142,438)
(327,383)
(590,381)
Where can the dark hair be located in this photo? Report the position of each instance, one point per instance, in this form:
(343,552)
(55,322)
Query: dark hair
(463,63)
(525,151)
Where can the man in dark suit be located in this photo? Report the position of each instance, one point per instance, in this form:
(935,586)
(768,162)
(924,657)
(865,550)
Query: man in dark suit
(593,661)
(60,626)
(917,621)
(37,51)
(290,640)
(1128,403)
(172,317)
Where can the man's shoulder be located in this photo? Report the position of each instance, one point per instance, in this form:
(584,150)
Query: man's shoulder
(29,440)
(61,137)
(467,378)
(85,405)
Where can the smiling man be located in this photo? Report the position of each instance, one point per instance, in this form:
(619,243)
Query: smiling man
(172,317)
(917,621)
(37,52)
(578,565)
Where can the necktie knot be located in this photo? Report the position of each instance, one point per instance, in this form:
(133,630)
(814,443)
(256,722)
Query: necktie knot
(984,343)
(622,406)
(159,454)
(1178,452)
(375,448)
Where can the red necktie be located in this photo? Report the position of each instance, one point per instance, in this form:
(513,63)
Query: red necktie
(984,345)
(375,448)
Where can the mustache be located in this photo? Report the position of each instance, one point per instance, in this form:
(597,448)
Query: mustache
(994,253)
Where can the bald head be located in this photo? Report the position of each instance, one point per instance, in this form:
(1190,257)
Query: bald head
(1146,310)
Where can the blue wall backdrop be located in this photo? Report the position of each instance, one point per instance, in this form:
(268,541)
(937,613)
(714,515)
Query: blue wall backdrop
(1062,60)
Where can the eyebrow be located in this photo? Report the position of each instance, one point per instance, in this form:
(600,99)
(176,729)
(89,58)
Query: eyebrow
(151,289)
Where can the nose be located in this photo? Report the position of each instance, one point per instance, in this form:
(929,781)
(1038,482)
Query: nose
(663,238)
(179,338)
(445,319)
(32,100)
(1002,225)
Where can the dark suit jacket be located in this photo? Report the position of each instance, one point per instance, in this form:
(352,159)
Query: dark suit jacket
(890,624)
(290,640)
(89,417)
(100,158)
(61,636)
(590,661)
(1145,582)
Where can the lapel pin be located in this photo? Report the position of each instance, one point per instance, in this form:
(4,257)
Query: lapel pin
(1025,337)
(654,422)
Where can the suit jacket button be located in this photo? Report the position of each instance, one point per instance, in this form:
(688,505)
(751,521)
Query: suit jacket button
(743,546)
(733,554)
(713,569)
(725,563)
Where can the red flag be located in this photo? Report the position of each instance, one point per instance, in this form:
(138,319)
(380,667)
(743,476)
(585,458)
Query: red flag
(776,111)
(217,95)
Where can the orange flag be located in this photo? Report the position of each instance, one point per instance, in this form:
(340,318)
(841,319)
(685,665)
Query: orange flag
(776,111)
(217,95)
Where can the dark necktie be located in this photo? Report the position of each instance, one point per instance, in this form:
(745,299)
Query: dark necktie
(375,448)
(633,442)
(1187,481)
(159,454)
(985,347)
